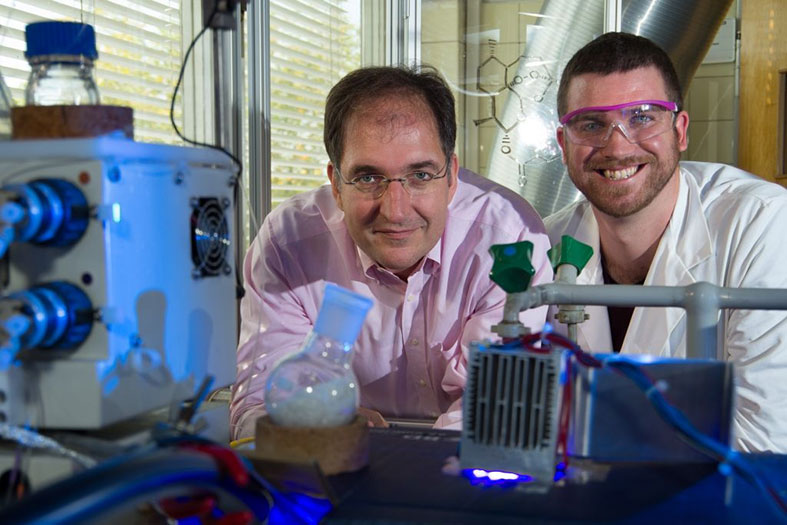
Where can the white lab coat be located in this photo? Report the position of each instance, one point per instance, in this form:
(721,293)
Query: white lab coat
(729,228)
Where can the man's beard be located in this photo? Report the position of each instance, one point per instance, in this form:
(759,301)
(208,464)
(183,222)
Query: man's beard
(611,198)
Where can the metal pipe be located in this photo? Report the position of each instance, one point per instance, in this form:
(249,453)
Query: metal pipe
(259,169)
(613,15)
(403,28)
(702,302)
(226,85)
(571,315)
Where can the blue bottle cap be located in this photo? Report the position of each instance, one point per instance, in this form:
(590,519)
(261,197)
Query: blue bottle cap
(341,314)
(60,38)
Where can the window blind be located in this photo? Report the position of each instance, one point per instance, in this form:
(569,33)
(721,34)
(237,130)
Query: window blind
(139,53)
(313,44)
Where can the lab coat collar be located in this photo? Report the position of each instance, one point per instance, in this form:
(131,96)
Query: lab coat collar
(586,228)
(685,245)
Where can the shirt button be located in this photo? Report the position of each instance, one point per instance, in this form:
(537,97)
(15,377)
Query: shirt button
(410,298)
(414,342)
(422,382)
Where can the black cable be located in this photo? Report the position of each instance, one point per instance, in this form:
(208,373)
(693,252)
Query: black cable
(235,159)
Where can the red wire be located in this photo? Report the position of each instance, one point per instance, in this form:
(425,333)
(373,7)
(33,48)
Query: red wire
(563,418)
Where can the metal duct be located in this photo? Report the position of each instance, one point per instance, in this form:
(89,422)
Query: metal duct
(525,155)
(684,29)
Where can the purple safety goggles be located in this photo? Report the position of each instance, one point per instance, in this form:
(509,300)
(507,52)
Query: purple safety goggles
(637,121)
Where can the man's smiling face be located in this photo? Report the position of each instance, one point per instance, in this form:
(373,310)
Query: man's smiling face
(622,178)
(394,137)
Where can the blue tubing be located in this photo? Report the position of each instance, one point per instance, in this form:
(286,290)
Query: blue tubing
(126,481)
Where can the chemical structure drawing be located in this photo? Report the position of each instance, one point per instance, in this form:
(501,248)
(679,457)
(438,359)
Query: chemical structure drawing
(528,80)
(517,92)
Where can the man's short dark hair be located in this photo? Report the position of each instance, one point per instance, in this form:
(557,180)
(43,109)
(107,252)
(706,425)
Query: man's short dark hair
(619,53)
(375,83)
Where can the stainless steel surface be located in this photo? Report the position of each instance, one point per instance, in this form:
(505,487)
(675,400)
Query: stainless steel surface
(612,420)
(510,410)
(526,158)
(259,169)
(410,423)
(683,28)
(404,27)
(228,120)
(227,88)
(613,16)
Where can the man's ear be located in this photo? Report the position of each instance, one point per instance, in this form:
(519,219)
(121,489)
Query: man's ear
(333,177)
(560,138)
(453,175)
(682,130)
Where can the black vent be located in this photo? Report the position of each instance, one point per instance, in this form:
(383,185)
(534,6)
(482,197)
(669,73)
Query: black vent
(210,237)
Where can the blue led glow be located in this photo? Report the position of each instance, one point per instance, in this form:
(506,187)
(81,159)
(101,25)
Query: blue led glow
(116,212)
(502,477)
(560,471)
(297,508)
(495,477)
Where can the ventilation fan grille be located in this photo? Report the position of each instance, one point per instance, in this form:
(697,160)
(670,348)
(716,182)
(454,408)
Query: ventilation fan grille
(210,237)
(512,399)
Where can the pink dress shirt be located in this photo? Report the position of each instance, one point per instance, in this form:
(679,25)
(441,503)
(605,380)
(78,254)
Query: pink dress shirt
(410,357)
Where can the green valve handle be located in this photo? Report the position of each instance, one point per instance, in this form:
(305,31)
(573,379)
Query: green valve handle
(512,269)
(570,251)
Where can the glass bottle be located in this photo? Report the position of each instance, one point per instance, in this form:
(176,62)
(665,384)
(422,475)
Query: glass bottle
(61,56)
(316,387)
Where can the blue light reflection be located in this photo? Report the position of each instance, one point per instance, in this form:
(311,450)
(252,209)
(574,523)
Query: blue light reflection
(478,476)
(495,477)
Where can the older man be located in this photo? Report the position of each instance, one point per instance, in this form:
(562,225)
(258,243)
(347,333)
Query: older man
(400,223)
(656,221)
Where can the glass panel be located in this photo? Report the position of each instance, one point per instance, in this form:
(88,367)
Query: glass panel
(313,44)
(504,60)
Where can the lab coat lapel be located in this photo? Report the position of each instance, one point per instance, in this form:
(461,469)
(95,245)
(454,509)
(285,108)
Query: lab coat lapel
(592,335)
(684,247)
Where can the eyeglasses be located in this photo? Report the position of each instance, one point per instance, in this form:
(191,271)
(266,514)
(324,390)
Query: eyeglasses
(419,182)
(638,121)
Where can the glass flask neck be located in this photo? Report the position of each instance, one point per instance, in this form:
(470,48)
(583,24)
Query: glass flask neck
(70,60)
(328,349)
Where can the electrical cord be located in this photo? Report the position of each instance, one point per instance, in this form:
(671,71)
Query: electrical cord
(173,463)
(235,160)
(128,480)
(33,440)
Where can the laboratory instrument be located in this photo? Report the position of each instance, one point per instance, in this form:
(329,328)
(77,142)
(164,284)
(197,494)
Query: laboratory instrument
(120,288)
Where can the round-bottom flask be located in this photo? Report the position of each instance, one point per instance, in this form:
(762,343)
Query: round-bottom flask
(317,387)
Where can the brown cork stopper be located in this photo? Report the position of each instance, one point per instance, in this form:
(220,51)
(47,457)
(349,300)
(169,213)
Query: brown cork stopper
(335,449)
(54,122)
